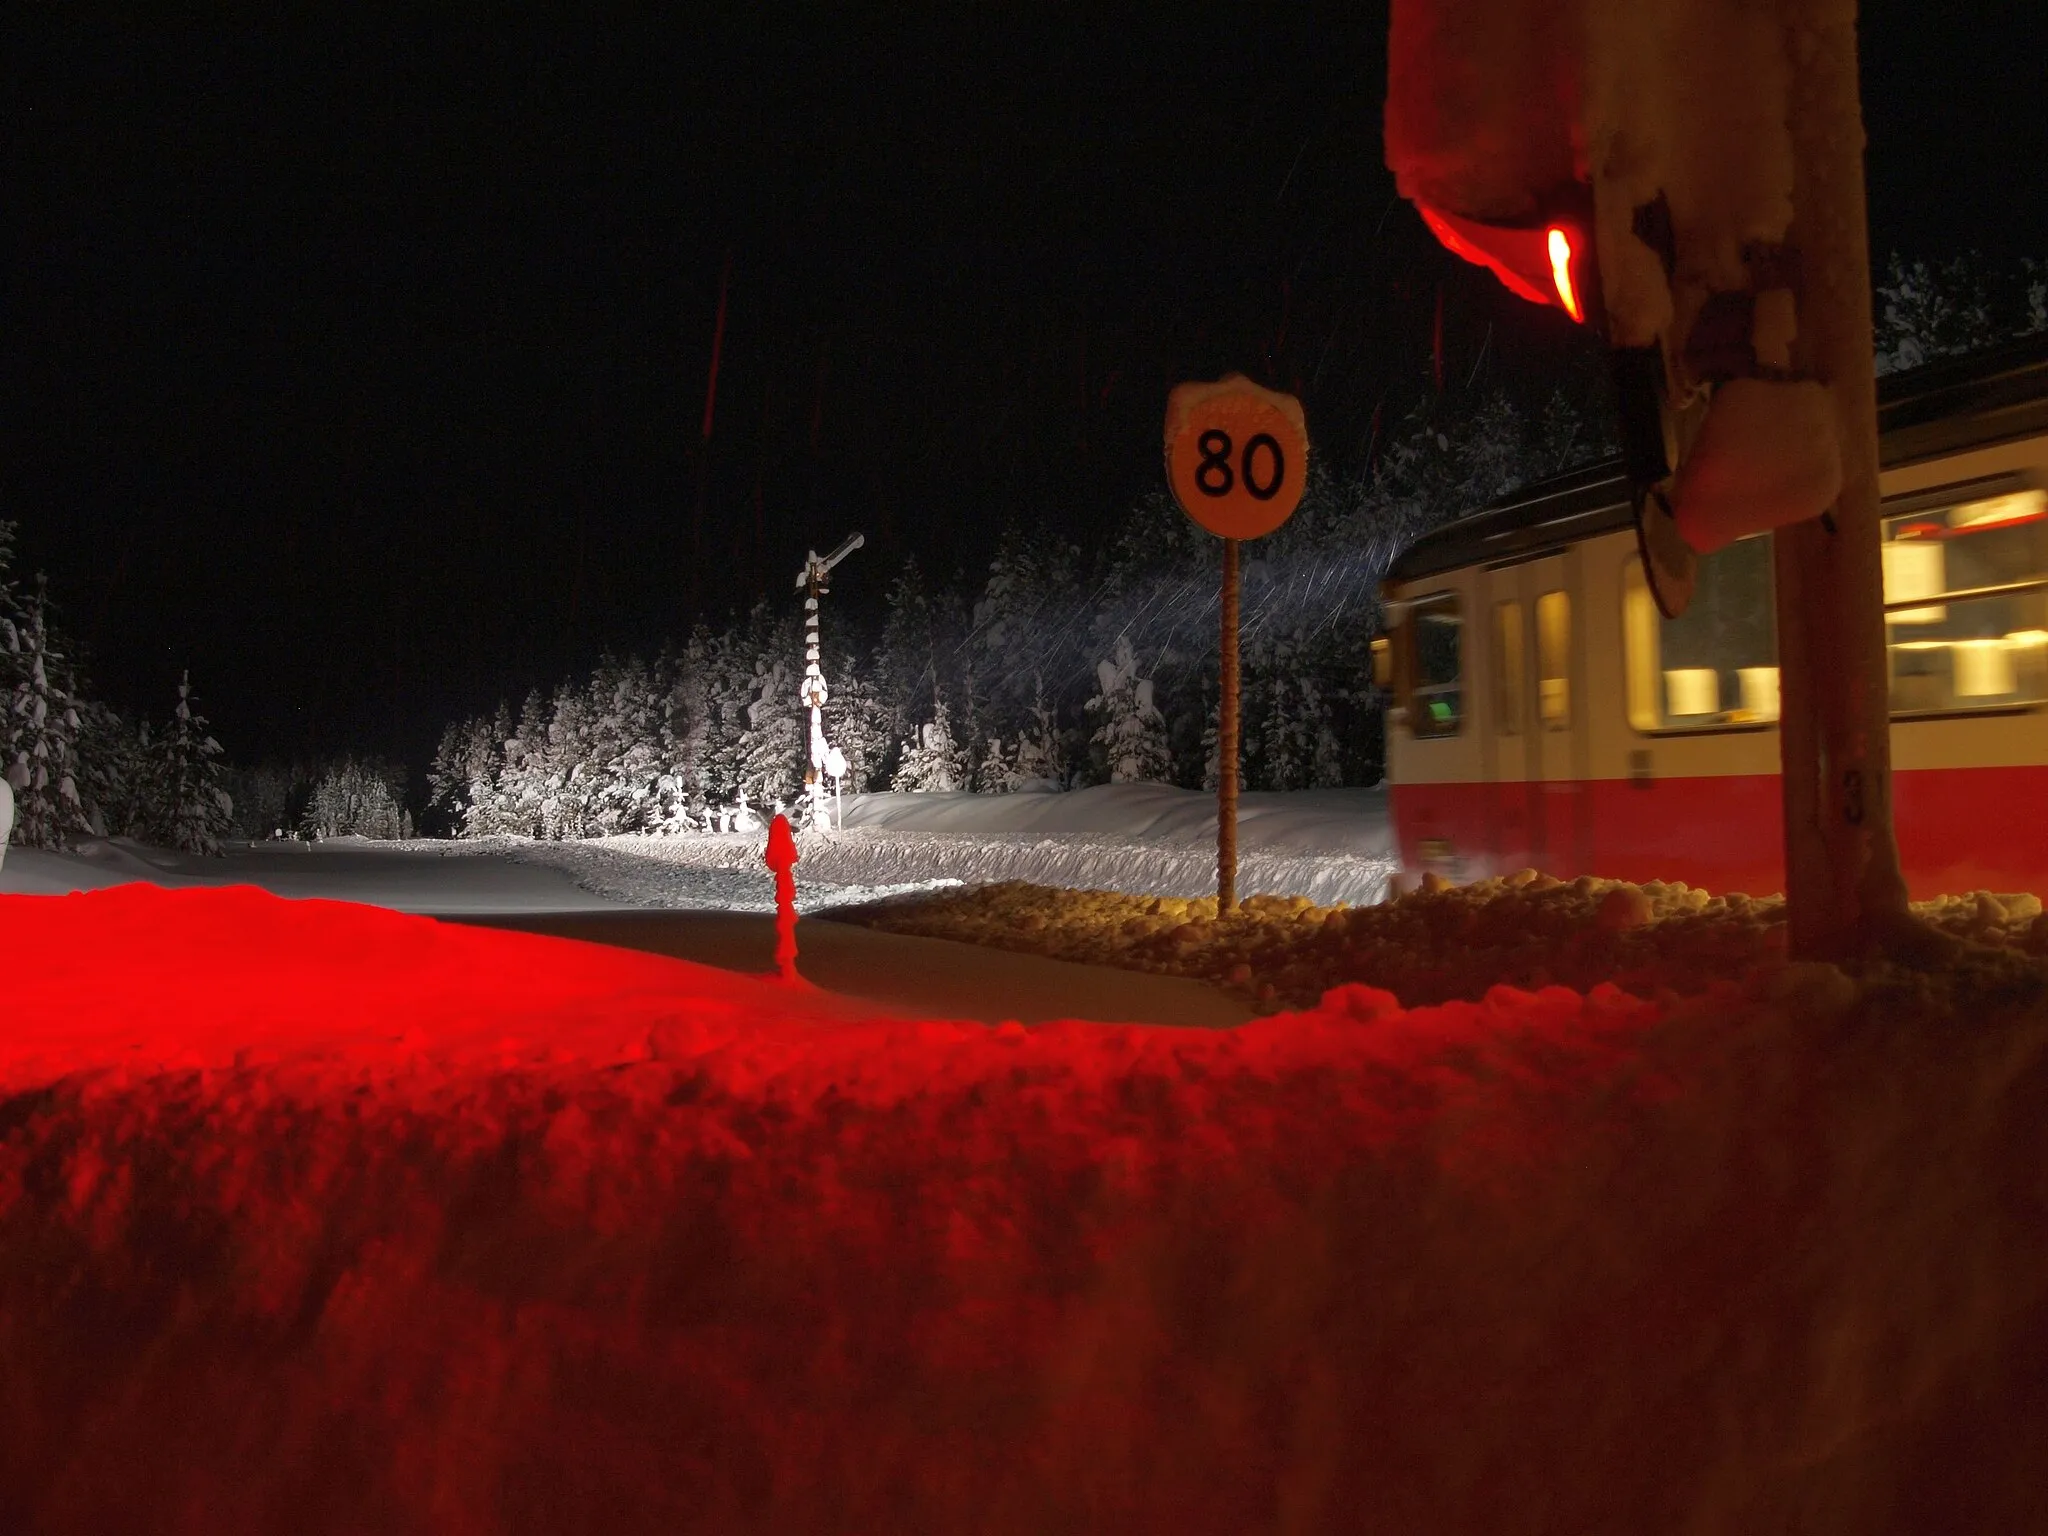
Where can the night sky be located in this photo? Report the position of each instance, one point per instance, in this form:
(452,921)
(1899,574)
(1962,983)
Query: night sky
(362,368)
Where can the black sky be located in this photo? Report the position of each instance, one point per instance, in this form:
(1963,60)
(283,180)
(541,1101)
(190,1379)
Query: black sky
(360,367)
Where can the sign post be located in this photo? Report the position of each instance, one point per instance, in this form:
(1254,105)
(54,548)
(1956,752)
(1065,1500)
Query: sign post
(1236,459)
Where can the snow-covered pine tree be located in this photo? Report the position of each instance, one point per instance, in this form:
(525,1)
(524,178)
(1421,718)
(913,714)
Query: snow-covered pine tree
(1130,743)
(904,672)
(114,771)
(857,723)
(265,798)
(41,726)
(522,782)
(566,782)
(690,726)
(188,805)
(462,780)
(774,751)
(358,797)
(932,761)
(1032,621)
(1040,762)
(1298,745)
(626,746)
(1925,311)
(995,770)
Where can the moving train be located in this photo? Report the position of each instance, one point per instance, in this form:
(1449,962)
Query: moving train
(1546,715)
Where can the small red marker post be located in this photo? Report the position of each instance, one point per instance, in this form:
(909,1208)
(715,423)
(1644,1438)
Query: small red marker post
(781,857)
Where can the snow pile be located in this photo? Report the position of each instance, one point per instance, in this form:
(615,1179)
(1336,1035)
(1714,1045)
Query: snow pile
(1150,839)
(1435,944)
(320,1218)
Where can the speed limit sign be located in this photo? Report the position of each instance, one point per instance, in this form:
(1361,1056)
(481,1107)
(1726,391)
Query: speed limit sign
(1236,455)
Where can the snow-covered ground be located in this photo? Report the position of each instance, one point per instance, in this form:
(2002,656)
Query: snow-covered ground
(315,1217)
(1331,846)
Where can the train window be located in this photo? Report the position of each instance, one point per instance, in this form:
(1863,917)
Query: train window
(1553,659)
(1966,604)
(1716,665)
(1436,703)
(1509,678)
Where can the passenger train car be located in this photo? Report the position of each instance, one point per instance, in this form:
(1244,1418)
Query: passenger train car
(1546,715)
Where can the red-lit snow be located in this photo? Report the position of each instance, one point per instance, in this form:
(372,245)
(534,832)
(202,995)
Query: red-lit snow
(320,1218)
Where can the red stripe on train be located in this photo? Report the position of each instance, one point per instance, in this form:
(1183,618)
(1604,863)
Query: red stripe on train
(1959,829)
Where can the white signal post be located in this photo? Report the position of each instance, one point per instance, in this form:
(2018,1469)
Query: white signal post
(827,761)
(1236,459)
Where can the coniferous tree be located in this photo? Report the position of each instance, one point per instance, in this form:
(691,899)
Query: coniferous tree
(857,723)
(188,805)
(522,783)
(462,780)
(42,726)
(774,751)
(628,716)
(906,675)
(932,761)
(115,771)
(269,799)
(1930,310)
(1130,741)
(1041,758)
(358,797)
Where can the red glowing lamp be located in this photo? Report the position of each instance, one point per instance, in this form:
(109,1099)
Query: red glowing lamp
(1547,261)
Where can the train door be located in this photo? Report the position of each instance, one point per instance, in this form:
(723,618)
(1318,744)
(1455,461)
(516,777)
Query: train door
(1539,719)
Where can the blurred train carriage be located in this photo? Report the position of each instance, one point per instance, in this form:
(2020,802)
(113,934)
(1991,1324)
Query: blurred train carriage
(1547,715)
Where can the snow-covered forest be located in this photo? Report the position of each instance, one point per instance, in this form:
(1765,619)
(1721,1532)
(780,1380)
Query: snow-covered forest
(1049,669)
(75,765)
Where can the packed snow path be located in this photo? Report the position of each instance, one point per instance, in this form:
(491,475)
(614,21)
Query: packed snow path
(319,1218)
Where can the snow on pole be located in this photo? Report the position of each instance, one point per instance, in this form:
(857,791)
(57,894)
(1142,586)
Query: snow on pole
(6,817)
(811,582)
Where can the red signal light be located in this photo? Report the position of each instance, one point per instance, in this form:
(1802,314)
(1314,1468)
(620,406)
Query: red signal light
(1561,253)
(1545,263)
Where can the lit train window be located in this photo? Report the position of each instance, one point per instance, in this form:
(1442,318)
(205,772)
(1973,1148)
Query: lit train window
(1509,679)
(1553,659)
(1966,604)
(1716,666)
(1436,701)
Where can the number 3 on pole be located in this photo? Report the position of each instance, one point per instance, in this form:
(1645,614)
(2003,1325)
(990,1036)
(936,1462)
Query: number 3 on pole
(1236,455)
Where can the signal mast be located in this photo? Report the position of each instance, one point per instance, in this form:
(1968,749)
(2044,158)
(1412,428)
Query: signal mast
(826,760)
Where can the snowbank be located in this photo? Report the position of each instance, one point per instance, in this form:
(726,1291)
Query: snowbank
(1433,945)
(1151,839)
(1330,845)
(319,1218)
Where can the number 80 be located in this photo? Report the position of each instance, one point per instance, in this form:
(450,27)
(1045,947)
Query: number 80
(1214,477)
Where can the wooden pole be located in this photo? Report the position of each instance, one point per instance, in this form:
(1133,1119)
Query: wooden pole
(1843,887)
(1226,741)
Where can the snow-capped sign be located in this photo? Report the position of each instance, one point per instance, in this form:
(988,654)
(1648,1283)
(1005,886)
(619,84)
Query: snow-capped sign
(1236,455)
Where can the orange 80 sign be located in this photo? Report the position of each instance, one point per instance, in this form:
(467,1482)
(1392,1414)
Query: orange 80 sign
(1236,455)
